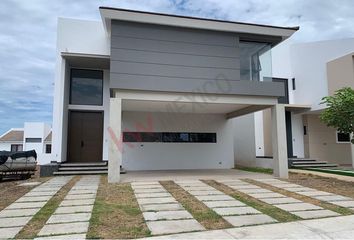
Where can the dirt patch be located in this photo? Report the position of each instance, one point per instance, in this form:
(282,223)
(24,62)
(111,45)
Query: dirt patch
(204,215)
(325,205)
(116,213)
(38,221)
(274,212)
(10,190)
(323,183)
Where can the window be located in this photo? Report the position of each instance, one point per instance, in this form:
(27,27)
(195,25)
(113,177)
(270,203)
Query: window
(255,61)
(343,137)
(86,87)
(48,148)
(33,140)
(169,137)
(16,147)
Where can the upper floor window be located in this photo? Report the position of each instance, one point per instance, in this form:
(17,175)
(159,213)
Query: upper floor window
(86,87)
(33,140)
(48,148)
(255,61)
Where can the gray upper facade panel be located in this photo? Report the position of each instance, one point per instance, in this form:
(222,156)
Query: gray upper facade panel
(176,59)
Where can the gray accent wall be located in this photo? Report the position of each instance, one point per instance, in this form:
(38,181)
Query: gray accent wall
(164,58)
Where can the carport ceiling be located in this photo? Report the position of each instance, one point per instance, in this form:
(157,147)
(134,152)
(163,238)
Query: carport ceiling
(180,107)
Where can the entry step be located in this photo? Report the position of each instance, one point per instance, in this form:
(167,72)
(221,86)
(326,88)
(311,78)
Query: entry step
(93,168)
(80,172)
(83,164)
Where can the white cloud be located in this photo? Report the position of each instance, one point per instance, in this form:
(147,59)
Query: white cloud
(28,38)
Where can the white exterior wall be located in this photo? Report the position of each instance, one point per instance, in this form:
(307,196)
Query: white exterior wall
(164,156)
(6,146)
(37,130)
(74,36)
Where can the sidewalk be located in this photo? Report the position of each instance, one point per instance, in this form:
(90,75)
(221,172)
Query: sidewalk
(326,228)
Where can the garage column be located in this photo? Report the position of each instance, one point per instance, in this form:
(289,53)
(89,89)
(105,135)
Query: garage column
(115,140)
(280,152)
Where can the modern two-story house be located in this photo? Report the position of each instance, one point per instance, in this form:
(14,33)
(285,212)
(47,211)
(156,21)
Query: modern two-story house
(150,91)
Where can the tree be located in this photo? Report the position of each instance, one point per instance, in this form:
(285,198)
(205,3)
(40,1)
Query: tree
(340,111)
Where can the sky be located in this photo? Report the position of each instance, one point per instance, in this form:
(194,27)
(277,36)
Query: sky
(28,38)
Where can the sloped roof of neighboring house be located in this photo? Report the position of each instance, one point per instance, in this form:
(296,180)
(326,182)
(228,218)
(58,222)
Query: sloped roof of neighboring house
(49,137)
(13,135)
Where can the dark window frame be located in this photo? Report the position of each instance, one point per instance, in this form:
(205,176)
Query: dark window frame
(33,140)
(70,86)
(48,148)
(170,137)
(17,147)
(342,137)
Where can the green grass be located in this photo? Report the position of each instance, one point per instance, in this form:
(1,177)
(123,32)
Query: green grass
(349,173)
(255,169)
(116,214)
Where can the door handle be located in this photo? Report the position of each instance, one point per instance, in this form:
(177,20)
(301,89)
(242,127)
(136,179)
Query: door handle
(82,143)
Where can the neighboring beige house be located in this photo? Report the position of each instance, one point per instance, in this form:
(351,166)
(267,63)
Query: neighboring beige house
(312,70)
(34,136)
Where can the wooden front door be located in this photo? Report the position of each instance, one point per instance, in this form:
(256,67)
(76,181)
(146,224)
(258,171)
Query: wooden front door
(85,136)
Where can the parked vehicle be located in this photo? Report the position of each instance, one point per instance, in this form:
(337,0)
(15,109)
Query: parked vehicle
(18,164)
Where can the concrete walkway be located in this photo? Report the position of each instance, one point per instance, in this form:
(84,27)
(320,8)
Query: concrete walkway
(299,208)
(233,211)
(332,198)
(18,214)
(71,218)
(326,228)
(161,211)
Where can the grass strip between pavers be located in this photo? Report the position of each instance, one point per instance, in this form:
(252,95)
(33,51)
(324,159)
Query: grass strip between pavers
(274,212)
(203,214)
(116,213)
(348,173)
(38,221)
(298,196)
(255,169)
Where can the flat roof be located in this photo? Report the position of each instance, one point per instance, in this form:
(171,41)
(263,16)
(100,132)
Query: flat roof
(109,13)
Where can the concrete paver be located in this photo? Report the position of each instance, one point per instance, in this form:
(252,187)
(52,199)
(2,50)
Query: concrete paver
(64,237)
(347,204)
(143,201)
(283,200)
(24,205)
(154,190)
(236,211)
(333,198)
(66,218)
(292,207)
(33,199)
(214,198)
(316,193)
(174,226)
(152,195)
(247,220)
(11,232)
(74,209)
(254,190)
(81,196)
(201,193)
(266,195)
(18,212)
(14,222)
(64,228)
(216,204)
(161,207)
(315,214)
(167,215)
(78,202)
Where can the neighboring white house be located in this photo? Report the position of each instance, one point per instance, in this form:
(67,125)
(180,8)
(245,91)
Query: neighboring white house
(312,70)
(34,136)
(151,91)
